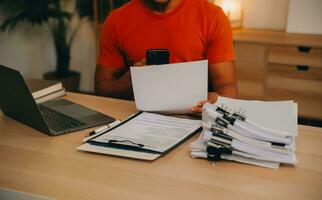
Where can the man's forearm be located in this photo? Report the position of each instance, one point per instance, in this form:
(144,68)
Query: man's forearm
(120,87)
(228,90)
(223,79)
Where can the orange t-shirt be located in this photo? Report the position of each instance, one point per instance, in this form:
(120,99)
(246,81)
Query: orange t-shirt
(194,30)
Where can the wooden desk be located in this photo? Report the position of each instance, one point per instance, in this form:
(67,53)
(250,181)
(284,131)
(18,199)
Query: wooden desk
(50,166)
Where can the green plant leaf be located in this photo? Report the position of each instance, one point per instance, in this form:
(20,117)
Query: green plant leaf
(33,11)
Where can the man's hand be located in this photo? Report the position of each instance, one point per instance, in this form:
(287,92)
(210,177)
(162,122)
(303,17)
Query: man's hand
(140,63)
(114,83)
(212,98)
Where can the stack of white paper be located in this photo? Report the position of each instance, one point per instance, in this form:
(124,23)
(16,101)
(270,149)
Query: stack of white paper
(253,132)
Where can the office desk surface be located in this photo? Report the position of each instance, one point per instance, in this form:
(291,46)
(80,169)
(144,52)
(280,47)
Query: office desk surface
(51,166)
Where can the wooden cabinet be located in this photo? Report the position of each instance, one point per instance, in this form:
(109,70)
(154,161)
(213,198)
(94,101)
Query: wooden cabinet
(307,56)
(250,69)
(274,65)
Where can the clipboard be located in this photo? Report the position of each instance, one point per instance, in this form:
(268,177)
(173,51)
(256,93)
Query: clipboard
(143,135)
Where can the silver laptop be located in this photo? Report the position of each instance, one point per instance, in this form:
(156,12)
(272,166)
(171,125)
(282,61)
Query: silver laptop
(53,117)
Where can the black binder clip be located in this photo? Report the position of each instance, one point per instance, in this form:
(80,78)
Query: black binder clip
(215,129)
(221,110)
(219,132)
(219,144)
(213,157)
(214,154)
(231,119)
(226,151)
(221,122)
(240,115)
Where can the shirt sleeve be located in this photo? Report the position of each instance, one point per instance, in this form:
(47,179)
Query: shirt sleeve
(109,51)
(220,42)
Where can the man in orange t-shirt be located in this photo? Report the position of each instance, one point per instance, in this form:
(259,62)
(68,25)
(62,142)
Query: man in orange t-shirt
(190,29)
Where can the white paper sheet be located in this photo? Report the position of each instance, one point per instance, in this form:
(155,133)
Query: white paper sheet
(277,115)
(171,88)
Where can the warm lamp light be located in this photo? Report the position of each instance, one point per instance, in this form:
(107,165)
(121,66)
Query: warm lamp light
(227,6)
(233,10)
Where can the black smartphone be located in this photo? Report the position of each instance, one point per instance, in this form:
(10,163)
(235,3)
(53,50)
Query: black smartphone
(157,56)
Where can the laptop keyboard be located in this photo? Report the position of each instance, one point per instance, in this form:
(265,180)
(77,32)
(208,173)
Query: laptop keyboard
(58,121)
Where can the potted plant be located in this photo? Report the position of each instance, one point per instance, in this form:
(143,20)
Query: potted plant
(49,12)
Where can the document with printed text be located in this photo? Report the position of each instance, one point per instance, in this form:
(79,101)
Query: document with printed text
(150,131)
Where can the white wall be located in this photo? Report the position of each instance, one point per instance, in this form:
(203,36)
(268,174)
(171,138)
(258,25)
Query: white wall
(310,18)
(265,14)
(83,55)
(28,49)
(261,14)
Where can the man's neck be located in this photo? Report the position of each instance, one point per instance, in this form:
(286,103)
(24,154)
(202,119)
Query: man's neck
(161,8)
